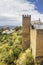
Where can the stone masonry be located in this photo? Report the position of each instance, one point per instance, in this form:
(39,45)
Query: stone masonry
(33,37)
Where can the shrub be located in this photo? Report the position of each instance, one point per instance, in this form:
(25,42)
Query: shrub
(25,58)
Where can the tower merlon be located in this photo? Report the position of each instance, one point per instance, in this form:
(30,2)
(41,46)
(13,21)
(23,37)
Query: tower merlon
(26,16)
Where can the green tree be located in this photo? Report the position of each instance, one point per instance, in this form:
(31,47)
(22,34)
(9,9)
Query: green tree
(25,58)
(18,28)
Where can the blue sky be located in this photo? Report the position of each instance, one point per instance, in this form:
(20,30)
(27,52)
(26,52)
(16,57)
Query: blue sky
(39,4)
(11,11)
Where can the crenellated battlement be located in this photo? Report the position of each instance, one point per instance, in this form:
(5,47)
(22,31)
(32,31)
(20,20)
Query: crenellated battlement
(26,16)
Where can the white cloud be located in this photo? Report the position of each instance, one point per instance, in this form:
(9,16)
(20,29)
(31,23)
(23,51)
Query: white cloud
(15,9)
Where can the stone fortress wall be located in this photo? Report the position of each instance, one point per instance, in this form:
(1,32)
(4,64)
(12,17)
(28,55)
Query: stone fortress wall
(32,38)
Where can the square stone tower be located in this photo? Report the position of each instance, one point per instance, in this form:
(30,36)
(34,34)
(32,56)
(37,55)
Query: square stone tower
(26,31)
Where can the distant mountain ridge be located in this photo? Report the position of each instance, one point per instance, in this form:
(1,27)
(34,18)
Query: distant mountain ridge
(10,26)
